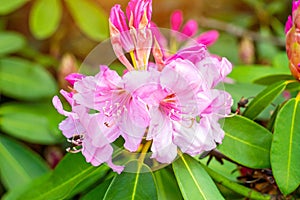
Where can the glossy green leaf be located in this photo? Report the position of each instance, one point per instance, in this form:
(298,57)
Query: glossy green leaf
(8,6)
(246,142)
(72,170)
(18,164)
(25,80)
(285,151)
(98,192)
(264,98)
(268,80)
(11,42)
(167,187)
(134,186)
(90,18)
(44,18)
(88,182)
(248,74)
(193,180)
(35,123)
(234,186)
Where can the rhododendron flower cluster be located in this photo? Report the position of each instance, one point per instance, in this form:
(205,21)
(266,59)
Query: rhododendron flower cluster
(171,102)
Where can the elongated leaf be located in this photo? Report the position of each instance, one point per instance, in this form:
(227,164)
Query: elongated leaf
(44,18)
(264,98)
(222,180)
(98,192)
(248,74)
(25,80)
(35,123)
(70,172)
(193,180)
(268,80)
(167,186)
(90,18)
(11,42)
(285,151)
(18,164)
(246,142)
(8,6)
(134,186)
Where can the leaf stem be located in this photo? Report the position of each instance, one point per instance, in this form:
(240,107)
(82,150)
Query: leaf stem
(240,189)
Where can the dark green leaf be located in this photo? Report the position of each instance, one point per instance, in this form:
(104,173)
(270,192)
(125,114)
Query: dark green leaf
(137,185)
(18,164)
(90,180)
(11,42)
(264,98)
(98,192)
(167,187)
(246,142)
(90,18)
(25,80)
(193,180)
(8,6)
(268,80)
(44,18)
(72,170)
(285,151)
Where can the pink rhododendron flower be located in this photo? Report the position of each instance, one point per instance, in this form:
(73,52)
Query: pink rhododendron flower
(171,102)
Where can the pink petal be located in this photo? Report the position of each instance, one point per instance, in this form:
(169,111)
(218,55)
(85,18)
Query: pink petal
(208,38)
(288,25)
(135,11)
(190,29)
(74,77)
(176,20)
(160,130)
(295,5)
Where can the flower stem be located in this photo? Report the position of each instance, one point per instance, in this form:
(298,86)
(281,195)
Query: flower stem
(144,151)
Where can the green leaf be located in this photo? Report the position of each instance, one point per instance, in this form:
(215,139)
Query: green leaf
(72,170)
(44,18)
(18,164)
(249,91)
(246,142)
(90,18)
(264,98)
(35,123)
(167,187)
(22,79)
(88,182)
(285,151)
(128,185)
(193,180)
(250,194)
(11,42)
(8,6)
(268,80)
(248,74)
(98,192)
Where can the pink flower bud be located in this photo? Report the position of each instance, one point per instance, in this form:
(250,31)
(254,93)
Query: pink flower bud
(190,28)
(208,38)
(176,20)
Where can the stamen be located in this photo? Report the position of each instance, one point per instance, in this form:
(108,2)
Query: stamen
(133,59)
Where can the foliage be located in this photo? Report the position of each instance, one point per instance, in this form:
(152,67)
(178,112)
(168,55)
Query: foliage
(258,159)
